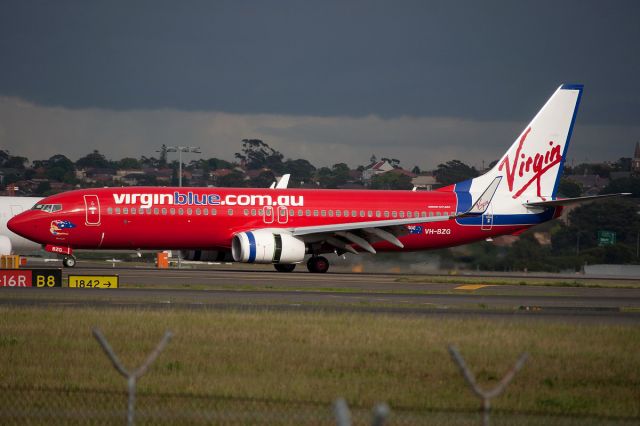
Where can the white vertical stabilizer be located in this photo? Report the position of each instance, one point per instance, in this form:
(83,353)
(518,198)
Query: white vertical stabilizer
(532,166)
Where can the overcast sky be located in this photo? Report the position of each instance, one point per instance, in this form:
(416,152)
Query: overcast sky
(420,81)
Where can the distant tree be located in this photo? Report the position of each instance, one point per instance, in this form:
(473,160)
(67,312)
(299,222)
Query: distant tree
(217,163)
(324,175)
(42,189)
(454,171)
(128,163)
(59,168)
(263,180)
(16,162)
(416,170)
(93,160)
(256,154)
(568,188)
(300,170)
(340,174)
(623,164)
(616,215)
(373,159)
(391,180)
(630,184)
(234,179)
(602,170)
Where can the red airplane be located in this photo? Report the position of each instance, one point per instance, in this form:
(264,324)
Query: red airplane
(283,226)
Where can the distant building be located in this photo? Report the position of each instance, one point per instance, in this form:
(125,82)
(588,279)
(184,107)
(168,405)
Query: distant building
(591,184)
(635,162)
(375,169)
(426,182)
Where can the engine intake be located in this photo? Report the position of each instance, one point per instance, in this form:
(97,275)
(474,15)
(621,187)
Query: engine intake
(264,246)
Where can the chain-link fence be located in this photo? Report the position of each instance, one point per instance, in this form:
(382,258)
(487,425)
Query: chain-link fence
(54,406)
(74,405)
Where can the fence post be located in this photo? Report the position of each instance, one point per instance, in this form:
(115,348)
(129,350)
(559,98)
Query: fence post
(486,395)
(343,415)
(131,376)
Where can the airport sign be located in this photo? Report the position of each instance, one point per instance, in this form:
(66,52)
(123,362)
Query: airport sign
(93,281)
(39,278)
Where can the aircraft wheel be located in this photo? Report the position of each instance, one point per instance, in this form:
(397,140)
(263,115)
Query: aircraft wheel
(69,261)
(318,264)
(284,267)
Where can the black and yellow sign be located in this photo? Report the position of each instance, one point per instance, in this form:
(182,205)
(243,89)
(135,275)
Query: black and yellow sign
(39,278)
(93,281)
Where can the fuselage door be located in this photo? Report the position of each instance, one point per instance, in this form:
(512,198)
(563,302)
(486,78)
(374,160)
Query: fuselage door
(487,219)
(268,214)
(283,214)
(92,208)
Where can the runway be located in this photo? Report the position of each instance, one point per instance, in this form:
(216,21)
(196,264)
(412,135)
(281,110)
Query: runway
(233,288)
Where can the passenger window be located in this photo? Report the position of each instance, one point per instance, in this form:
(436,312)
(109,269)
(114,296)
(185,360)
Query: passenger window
(205,211)
(330,213)
(430,214)
(338,213)
(246,212)
(307,213)
(125,210)
(300,212)
(315,213)
(133,210)
(214,212)
(346,213)
(386,214)
(164,211)
(253,212)
(361,213)
(230,212)
(172,210)
(409,214)
(117,210)
(370,213)
(378,213)
(401,214)
(292,212)
(323,213)
(180,211)
(416,214)
(437,213)
(110,210)
(198,212)
(156,210)
(189,211)
(394,214)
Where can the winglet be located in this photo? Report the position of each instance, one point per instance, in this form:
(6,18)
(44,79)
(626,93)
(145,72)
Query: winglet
(482,203)
(283,182)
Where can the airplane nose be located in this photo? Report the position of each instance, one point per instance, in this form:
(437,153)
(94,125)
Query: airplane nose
(23,226)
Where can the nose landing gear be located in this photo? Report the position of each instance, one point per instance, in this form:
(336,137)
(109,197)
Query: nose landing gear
(318,264)
(69,261)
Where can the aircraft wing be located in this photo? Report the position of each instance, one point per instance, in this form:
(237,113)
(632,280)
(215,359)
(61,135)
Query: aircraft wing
(364,233)
(577,200)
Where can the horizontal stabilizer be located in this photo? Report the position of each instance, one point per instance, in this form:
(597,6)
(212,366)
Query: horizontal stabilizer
(577,200)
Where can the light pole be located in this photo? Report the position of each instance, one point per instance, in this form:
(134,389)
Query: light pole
(180,150)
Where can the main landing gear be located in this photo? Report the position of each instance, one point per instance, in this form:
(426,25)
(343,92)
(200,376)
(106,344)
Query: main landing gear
(69,261)
(318,264)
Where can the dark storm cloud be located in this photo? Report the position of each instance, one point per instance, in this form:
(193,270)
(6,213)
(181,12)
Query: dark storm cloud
(343,58)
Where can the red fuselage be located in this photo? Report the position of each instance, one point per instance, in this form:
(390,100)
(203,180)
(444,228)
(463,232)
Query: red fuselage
(208,218)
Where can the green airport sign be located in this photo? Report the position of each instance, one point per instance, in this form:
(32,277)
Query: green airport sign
(606,238)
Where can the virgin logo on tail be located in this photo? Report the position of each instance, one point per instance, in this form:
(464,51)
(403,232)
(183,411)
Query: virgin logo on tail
(529,168)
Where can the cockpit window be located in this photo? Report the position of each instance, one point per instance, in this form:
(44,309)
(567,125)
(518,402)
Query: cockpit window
(49,208)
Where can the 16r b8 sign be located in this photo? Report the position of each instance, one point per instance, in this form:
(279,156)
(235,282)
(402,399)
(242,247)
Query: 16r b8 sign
(39,278)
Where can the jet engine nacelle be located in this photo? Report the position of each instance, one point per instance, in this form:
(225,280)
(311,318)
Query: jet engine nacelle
(267,246)
(206,255)
(5,245)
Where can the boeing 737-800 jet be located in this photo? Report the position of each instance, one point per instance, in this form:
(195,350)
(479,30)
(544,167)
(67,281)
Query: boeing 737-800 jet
(283,226)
